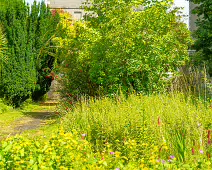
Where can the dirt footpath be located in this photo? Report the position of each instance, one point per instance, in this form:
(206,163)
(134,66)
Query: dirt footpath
(30,121)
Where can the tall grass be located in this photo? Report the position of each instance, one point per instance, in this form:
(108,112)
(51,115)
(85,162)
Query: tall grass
(193,80)
(3,107)
(157,125)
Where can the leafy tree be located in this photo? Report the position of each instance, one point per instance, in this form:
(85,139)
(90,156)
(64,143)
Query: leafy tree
(203,34)
(121,46)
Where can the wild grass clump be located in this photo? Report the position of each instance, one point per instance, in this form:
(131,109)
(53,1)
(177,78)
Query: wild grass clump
(193,80)
(147,128)
(3,107)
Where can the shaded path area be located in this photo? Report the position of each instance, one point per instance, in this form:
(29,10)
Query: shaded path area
(32,117)
(29,120)
(33,120)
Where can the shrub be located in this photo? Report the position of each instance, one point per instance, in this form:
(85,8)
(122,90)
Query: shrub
(3,107)
(61,151)
(203,33)
(119,47)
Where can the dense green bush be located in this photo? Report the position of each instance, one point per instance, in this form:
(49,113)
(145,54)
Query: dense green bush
(118,46)
(3,107)
(29,32)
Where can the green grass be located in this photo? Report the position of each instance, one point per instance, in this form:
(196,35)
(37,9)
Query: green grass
(7,116)
(11,118)
(152,132)
(174,124)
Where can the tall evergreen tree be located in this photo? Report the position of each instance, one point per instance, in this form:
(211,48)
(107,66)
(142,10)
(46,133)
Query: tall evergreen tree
(29,31)
(43,28)
(19,73)
(3,50)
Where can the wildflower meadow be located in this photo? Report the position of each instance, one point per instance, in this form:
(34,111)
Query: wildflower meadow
(128,94)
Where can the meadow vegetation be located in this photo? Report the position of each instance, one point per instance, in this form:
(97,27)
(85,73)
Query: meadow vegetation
(118,109)
(140,132)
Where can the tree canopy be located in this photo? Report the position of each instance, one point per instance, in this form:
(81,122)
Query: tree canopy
(203,34)
(120,46)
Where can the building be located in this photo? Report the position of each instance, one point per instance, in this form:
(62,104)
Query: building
(73,7)
(192,17)
(186,12)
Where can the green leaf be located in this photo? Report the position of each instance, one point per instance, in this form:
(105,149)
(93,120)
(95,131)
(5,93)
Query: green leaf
(22,152)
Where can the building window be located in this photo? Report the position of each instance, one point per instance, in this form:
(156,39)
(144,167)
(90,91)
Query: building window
(77,15)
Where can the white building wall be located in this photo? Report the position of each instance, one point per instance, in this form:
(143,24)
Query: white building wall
(66,3)
(71,6)
(31,1)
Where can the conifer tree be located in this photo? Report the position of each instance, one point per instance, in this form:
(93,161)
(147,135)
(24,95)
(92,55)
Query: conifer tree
(19,73)
(43,28)
(3,50)
(28,31)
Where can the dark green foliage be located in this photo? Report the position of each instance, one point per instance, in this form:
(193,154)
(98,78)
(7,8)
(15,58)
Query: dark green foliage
(29,33)
(203,34)
(3,49)
(19,73)
(43,26)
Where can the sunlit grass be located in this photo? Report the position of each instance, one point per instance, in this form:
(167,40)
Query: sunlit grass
(140,132)
(174,124)
(11,117)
